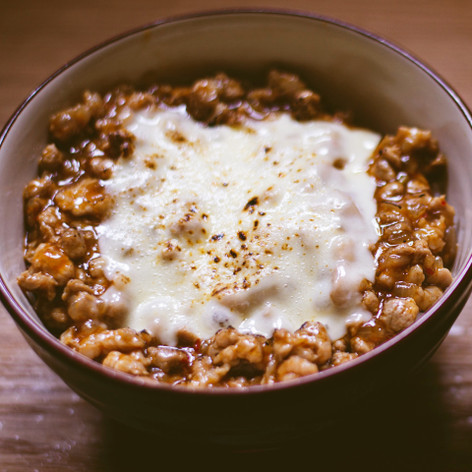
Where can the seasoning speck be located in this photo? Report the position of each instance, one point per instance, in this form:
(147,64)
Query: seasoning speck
(253,201)
(242,236)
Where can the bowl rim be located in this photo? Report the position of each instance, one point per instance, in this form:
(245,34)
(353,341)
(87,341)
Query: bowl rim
(39,334)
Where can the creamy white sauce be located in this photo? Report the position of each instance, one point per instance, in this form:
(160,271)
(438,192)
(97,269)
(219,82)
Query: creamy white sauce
(257,227)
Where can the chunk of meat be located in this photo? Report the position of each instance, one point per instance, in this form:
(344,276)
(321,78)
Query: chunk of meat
(84,305)
(294,367)
(285,84)
(129,363)
(51,260)
(342,357)
(72,241)
(169,359)
(310,342)
(86,198)
(50,223)
(313,337)
(230,347)
(425,298)
(73,121)
(102,341)
(51,158)
(360,345)
(399,313)
(41,187)
(100,167)
(31,281)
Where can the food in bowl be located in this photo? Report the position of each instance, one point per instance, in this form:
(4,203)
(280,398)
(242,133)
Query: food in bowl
(227,235)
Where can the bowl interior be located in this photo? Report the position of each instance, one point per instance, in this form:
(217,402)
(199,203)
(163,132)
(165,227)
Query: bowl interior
(351,70)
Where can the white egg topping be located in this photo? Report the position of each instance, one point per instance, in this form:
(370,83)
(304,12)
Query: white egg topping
(258,227)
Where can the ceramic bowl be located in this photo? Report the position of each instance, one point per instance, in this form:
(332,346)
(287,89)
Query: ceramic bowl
(353,70)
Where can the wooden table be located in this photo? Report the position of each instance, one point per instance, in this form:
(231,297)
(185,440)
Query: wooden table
(44,426)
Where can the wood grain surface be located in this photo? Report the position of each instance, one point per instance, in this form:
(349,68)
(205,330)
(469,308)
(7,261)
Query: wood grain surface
(424,423)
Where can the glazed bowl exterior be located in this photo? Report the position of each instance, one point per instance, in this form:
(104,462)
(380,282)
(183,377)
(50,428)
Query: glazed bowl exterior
(352,70)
